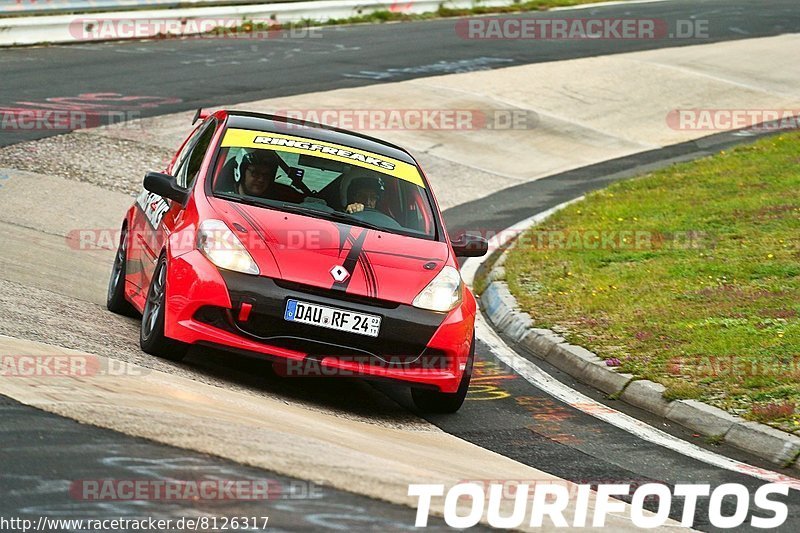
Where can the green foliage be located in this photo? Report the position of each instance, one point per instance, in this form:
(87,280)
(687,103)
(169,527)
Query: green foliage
(702,296)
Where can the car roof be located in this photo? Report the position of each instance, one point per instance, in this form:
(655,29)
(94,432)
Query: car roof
(319,132)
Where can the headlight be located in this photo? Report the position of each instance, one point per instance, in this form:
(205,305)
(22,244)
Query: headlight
(443,293)
(218,243)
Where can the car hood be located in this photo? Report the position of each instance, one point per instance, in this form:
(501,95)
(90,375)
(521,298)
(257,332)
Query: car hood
(313,251)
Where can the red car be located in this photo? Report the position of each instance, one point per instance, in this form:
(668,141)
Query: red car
(321,249)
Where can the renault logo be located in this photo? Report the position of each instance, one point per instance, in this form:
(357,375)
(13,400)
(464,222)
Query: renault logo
(339,273)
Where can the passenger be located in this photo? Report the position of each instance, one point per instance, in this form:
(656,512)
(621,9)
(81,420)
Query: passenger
(364,193)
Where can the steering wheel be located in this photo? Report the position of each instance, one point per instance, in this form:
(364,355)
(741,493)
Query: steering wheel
(374,216)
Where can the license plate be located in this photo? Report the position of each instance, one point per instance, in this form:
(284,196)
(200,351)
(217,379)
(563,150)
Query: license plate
(333,318)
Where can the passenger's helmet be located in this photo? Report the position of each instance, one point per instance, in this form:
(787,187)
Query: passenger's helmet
(365,182)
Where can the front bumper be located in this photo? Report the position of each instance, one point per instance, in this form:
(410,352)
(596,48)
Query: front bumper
(422,347)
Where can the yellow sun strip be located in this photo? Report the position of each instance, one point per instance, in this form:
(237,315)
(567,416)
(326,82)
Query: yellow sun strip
(336,152)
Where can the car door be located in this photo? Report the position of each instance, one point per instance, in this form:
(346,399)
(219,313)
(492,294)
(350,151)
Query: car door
(159,214)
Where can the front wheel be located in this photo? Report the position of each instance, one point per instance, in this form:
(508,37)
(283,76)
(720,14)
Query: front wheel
(432,401)
(151,335)
(115,298)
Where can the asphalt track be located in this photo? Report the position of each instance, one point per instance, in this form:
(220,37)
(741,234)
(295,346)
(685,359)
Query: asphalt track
(158,77)
(505,414)
(49,450)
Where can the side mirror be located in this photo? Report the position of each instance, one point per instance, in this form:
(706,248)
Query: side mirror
(165,186)
(470,246)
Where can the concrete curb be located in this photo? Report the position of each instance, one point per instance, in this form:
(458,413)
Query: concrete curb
(121,25)
(501,309)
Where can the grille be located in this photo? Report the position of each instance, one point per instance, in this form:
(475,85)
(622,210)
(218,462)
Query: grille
(323,342)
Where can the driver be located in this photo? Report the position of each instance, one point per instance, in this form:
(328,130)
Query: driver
(364,193)
(255,174)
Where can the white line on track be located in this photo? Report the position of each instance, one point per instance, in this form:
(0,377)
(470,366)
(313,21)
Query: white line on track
(547,383)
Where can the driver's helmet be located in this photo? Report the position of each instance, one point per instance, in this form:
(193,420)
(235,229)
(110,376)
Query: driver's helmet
(257,158)
(369,183)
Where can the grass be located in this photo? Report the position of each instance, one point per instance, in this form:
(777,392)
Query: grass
(702,294)
(382,16)
(481,280)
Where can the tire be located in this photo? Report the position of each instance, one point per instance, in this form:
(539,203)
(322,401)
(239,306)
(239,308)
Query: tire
(151,334)
(433,401)
(115,298)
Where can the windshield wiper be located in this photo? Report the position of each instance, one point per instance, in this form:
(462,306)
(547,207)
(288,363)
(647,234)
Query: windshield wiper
(249,200)
(335,215)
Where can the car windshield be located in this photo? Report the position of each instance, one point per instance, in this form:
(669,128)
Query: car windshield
(323,180)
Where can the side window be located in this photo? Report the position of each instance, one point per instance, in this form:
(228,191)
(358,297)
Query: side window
(185,149)
(192,160)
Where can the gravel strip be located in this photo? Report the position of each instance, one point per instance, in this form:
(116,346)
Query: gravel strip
(108,162)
